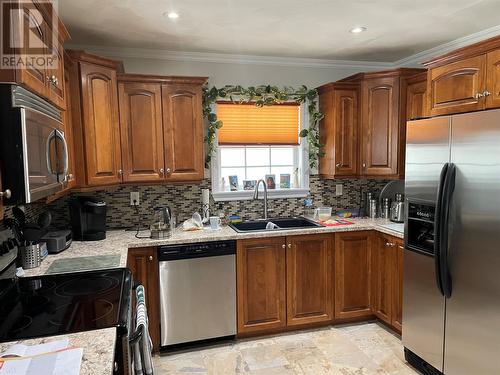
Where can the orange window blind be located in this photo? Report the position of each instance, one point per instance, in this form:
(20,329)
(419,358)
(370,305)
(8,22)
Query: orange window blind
(251,125)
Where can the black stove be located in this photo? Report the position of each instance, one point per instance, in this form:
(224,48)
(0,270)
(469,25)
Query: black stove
(64,303)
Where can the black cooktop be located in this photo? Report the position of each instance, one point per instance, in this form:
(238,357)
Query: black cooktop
(64,303)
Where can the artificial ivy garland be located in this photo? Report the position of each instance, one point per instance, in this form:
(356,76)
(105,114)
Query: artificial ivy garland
(263,96)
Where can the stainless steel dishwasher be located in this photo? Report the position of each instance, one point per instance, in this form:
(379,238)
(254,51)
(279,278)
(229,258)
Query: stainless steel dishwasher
(197,291)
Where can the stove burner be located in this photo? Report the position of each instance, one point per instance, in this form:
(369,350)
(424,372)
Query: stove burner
(86,286)
(23,322)
(102,308)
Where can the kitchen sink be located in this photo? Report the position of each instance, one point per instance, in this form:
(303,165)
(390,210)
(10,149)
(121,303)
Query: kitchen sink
(279,224)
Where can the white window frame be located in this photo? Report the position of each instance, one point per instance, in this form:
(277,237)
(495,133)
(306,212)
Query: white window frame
(303,163)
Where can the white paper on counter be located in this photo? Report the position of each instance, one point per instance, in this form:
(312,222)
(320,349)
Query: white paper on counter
(21,350)
(65,362)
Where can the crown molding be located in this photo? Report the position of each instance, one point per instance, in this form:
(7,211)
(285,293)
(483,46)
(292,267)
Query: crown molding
(206,57)
(418,58)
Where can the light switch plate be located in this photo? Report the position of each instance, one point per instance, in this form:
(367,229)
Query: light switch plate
(135,197)
(338,190)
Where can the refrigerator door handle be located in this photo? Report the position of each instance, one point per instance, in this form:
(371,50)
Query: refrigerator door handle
(437,228)
(448,189)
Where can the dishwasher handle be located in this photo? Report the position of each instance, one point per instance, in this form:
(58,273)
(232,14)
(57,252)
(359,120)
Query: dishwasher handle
(196,250)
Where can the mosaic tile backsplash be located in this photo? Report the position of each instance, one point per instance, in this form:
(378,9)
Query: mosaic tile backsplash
(186,198)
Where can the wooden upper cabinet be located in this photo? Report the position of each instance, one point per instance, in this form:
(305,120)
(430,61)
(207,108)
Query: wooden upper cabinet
(55,75)
(416,88)
(183,129)
(352,274)
(380,126)
(383,267)
(493,79)
(34,77)
(309,268)
(143,263)
(67,116)
(141,131)
(100,124)
(261,290)
(46,80)
(339,104)
(457,87)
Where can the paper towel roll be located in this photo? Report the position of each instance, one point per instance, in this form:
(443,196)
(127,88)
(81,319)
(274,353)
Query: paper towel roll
(205,204)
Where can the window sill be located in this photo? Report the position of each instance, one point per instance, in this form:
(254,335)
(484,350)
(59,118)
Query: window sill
(224,196)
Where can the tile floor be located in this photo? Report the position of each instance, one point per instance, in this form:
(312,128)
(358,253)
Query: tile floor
(361,349)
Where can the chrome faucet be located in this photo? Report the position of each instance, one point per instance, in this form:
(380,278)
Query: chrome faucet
(256,195)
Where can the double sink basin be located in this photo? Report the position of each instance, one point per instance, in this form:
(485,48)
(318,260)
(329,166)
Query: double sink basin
(274,225)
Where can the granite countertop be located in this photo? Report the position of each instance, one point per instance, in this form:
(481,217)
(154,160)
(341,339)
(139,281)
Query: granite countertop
(118,242)
(98,349)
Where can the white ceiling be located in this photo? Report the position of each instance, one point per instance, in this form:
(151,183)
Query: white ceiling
(283,28)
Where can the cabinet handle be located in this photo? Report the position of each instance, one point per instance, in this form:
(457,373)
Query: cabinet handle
(338,165)
(289,245)
(486,93)
(150,258)
(6,194)
(364,165)
(283,246)
(401,247)
(70,176)
(120,172)
(168,170)
(162,171)
(479,95)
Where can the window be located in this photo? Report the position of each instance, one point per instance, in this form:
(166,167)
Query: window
(259,143)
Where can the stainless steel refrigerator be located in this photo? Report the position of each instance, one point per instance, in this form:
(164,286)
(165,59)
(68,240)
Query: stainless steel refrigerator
(451,308)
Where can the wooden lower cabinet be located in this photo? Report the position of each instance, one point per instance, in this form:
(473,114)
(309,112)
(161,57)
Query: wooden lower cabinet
(261,293)
(397,295)
(143,262)
(383,262)
(352,274)
(309,279)
(387,280)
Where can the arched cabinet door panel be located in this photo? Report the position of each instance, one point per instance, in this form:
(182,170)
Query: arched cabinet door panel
(100,125)
(141,131)
(183,131)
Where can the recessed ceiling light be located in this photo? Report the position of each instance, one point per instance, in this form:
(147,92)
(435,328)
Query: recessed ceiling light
(173,15)
(357,30)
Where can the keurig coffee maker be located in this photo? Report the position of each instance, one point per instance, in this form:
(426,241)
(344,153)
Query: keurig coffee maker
(88,219)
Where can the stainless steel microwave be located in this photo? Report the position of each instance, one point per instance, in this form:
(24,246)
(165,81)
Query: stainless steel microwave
(34,153)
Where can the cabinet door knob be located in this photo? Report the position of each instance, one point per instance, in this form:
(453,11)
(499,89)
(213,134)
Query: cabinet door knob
(120,171)
(401,247)
(150,258)
(283,246)
(289,245)
(6,194)
(486,93)
(162,171)
(479,95)
(338,165)
(168,170)
(364,165)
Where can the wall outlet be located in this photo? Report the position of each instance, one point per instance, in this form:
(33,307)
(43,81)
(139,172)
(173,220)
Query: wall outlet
(338,190)
(135,199)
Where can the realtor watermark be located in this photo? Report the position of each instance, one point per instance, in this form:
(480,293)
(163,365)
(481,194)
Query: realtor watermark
(29,35)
